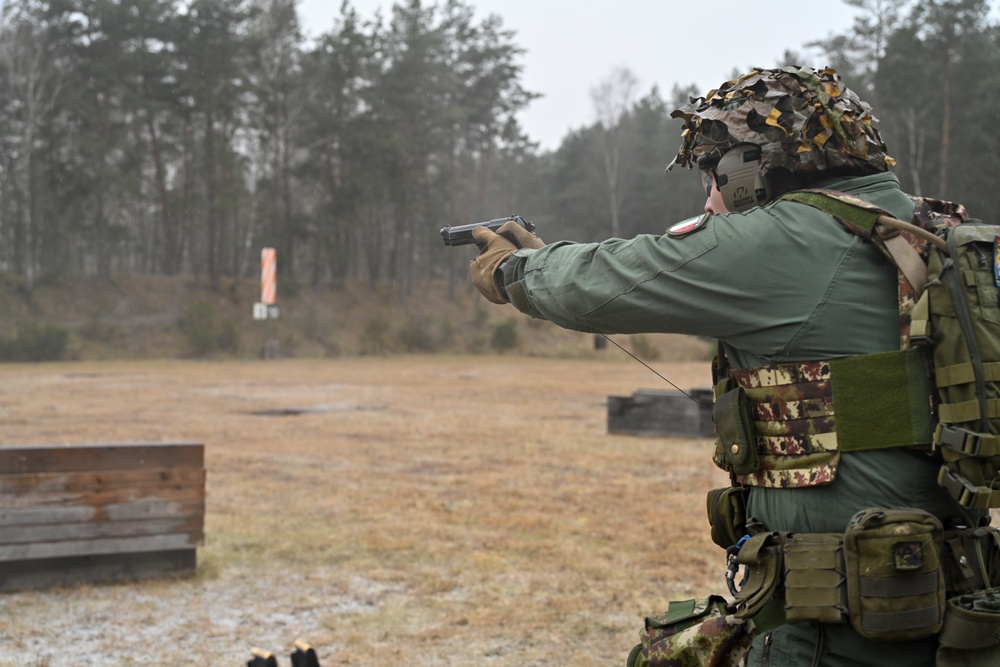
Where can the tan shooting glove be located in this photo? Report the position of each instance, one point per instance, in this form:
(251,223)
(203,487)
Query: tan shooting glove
(496,248)
(520,236)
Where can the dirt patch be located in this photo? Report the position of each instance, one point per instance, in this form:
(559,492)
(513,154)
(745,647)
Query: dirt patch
(413,510)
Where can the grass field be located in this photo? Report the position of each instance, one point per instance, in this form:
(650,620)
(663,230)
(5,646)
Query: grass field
(426,510)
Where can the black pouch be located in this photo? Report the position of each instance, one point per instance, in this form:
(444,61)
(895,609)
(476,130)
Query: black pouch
(727,515)
(895,582)
(736,443)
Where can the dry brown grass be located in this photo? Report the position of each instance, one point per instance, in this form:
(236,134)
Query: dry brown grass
(431,511)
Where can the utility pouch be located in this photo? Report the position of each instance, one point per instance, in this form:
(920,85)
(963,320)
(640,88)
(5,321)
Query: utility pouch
(971,559)
(971,633)
(895,583)
(736,442)
(727,515)
(815,581)
(761,555)
(693,632)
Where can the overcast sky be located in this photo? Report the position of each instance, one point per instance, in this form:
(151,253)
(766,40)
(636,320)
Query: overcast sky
(572,46)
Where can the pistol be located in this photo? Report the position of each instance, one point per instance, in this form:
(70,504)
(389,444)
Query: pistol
(462,234)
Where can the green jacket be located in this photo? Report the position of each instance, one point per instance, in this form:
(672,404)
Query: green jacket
(777,284)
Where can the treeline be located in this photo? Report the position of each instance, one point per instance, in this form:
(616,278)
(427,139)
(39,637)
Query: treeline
(170,136)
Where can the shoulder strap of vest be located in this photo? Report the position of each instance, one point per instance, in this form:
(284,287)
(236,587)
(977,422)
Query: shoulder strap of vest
(870,222)
(901,242)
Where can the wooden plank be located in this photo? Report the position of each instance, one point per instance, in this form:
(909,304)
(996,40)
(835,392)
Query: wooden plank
(147,509)
(56,532)
(26,483)
(108,545)
(98,512)
(138,456)
(47,572)
(101,497)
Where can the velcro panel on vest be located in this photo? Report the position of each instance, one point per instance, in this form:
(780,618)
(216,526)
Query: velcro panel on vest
(881,400)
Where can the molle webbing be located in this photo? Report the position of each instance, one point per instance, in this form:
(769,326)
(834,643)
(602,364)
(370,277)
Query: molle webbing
(959,319)
(806,414)
(792,407)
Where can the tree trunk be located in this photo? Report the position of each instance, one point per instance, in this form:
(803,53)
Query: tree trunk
(945,121)
(212,221)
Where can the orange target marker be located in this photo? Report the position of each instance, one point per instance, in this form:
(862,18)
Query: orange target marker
(268,276)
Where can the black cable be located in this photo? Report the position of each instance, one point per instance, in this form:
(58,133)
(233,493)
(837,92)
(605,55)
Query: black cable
(696,401)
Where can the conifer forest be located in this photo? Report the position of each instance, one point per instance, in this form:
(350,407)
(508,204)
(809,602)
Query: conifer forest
(180,136)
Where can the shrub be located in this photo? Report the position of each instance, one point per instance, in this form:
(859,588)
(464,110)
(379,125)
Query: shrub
(97,330)
(35,342)
(415,336)
(643,348)
(206,332)
(372,340)
(505,336)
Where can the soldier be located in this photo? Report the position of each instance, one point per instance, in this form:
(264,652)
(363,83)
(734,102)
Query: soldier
(785,288)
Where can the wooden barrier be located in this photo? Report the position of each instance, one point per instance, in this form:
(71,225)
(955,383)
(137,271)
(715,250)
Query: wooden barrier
(88,513)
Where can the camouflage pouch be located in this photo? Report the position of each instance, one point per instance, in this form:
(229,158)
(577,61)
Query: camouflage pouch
(895,581)
(692,633)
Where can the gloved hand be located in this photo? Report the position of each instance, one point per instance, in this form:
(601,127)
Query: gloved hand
(496,248)
(518,235)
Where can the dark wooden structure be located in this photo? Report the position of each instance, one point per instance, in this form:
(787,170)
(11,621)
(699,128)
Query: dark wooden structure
(87,513)
(653,412)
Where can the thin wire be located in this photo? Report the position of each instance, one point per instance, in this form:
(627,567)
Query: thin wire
(657,373)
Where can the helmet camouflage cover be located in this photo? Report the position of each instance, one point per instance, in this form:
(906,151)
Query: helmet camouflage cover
(804,120)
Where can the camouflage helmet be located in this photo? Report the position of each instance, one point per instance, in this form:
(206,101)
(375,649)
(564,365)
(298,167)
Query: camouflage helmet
(804,120)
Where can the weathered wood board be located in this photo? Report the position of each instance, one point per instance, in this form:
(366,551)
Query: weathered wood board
(87,513)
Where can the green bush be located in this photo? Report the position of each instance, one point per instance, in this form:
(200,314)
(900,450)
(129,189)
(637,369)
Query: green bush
(446,335)
(207,333)
(416,336)
(97,330)
(505,336)
(35,342)
(373,338)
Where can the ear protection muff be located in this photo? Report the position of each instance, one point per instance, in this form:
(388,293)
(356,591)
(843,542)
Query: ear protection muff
(738,178)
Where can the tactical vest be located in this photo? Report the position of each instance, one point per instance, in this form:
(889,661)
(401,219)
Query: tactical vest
(786,425)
